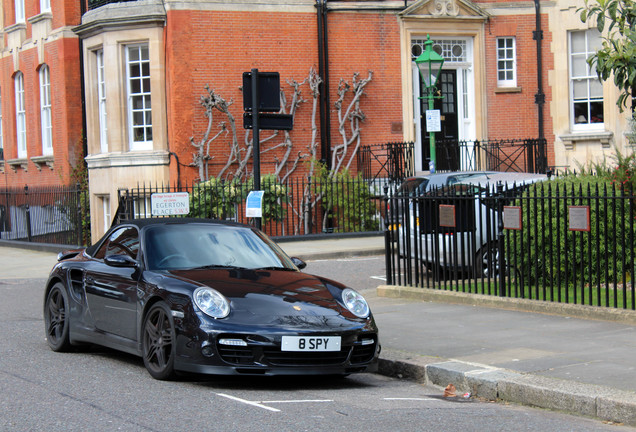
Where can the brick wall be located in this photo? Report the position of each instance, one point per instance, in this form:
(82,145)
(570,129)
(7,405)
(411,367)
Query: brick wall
(223,45)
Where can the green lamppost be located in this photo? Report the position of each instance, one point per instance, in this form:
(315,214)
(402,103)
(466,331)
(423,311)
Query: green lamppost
(430,65)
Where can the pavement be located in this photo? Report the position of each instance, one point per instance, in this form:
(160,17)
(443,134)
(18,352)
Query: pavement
(574,359)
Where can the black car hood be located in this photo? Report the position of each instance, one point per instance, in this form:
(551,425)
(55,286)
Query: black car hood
(277,297)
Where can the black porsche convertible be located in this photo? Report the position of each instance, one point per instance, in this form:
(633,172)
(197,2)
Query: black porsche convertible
(210,297)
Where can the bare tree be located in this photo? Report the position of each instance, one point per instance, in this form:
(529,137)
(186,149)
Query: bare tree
(210,102)
(348,121)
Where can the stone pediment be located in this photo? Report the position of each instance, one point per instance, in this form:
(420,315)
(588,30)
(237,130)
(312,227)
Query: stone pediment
(444,9)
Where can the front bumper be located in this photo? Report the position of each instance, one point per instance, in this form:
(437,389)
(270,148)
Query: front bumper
(262,355)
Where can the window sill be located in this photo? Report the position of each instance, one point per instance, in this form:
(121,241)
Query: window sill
(41,17)
(40,161)
(508,90)
(604,138)
(21,26)
(18,163)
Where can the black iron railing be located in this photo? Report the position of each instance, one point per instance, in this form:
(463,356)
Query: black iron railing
(94,4)
(553,242)
(58,215)
(519,155)
(298,207)
(390,161)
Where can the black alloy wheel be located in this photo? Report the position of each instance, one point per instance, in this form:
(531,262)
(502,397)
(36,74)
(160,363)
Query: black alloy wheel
(158,339)
(56,318)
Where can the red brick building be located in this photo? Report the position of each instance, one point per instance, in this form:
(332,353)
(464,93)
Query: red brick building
(40,93)
(512,70)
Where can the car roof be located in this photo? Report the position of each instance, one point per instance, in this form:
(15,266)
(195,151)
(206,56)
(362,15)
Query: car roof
(505,178)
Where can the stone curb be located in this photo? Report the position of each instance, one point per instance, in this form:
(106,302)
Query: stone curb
(498,384)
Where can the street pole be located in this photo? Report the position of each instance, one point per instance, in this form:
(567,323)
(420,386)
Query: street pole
(256,145)
(431,106)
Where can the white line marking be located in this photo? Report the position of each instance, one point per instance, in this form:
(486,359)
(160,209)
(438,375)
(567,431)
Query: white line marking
(410,399)
(256,404)
(348,259)
(382,278)
(297,401)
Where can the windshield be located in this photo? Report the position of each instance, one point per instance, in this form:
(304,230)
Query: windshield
(188,246)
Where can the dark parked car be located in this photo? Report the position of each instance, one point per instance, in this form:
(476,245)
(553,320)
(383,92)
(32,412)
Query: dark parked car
(206,297)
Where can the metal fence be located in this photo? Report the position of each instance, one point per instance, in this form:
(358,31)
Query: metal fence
(298,207)
(519,155)
(553,242)
(58,215)
(390,161)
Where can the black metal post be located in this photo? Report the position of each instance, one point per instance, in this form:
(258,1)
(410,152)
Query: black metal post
(387,238)
(256,147)
(28,212)
(501,258)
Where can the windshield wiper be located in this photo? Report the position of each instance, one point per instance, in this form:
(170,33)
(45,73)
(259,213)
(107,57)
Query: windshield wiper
(275,268)
(219,266)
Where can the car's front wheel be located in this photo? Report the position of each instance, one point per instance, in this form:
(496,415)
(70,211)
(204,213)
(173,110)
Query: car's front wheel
(56,318)
(158,342)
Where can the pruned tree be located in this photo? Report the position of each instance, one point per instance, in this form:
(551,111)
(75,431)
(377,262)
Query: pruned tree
(349,118)
(286,155)
(211,102)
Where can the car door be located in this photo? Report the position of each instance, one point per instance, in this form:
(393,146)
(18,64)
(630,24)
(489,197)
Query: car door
(111,292)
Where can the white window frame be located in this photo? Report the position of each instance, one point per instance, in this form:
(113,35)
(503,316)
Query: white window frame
(19,12)
(587,79)
(106,211)
(45,6)
(101,102)
(45,111)
(139,104)
(20,115)
(142,207)
(506,61)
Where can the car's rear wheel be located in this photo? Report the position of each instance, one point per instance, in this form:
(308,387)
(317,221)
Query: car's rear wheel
(56,318)
(487,261)
(158,342)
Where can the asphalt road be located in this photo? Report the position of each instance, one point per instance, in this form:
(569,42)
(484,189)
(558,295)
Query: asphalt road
(97,389)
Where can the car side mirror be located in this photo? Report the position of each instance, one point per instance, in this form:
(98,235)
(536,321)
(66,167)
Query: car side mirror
(120,261)
(299,263)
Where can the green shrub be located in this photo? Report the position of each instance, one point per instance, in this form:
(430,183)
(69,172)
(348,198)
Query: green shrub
(215,199)
(548,252)
(349,200)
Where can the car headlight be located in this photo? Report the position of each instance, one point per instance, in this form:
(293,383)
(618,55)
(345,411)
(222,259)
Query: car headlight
(356,304)
(211,302)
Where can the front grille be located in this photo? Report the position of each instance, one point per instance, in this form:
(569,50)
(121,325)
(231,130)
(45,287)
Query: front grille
(269,354)
(236,355)
(363,354)
(277,357)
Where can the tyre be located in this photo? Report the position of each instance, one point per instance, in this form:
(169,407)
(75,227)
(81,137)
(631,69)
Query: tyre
(56,317)
(487,261)
(158,342)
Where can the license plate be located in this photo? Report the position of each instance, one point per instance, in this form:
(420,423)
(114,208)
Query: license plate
(311,343)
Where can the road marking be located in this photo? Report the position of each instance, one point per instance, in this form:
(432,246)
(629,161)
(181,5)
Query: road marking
(349,259)
(409,399)
(256,404)
(297,401)
(260,404)
(382,278)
